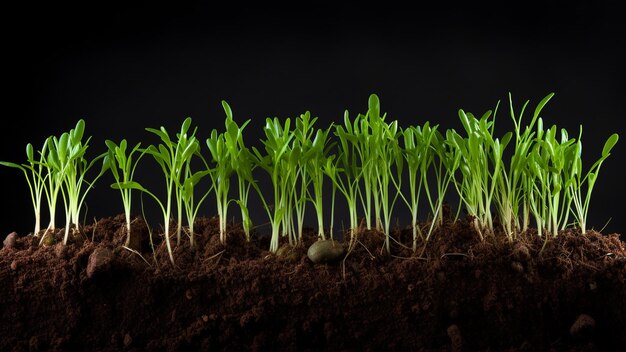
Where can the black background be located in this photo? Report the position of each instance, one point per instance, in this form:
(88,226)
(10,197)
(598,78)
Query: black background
(123,67)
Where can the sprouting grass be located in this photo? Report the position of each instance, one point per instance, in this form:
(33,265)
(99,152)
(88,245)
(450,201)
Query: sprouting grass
(34,172)
(242,164)
(345,170)
(419,153)
(481,167)
(524,177)
(173,156)
(279,162)
(66,156)
(122,164)
(314,159)
(60,167)
(579,179)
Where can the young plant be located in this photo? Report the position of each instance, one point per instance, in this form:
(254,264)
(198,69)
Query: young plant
(344,169)
(447,161)
(581,204)
(122,166)
(511,191)
(172,157)
(481,167)
(54,179)
(382,156)
(419,155)
(191,179)
(278,163)
(306,157)
(315,159)
(241,163)
(548,174)
(34,172)
(388,157)
(66,157)
(220,177)
(367,129)
(355,173)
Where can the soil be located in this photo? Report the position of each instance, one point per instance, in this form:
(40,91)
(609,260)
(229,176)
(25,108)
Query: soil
(460,294)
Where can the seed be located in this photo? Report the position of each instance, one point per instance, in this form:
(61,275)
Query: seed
(325,251)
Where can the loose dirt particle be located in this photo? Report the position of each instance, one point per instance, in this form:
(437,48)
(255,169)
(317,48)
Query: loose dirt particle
(10,240)
(517,267)
(34,344)
(456,340)
(127,340)
(99,260)
(583,327)
(521,252)
(60,250)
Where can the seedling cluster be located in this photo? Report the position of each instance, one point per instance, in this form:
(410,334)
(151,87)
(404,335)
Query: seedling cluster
(529,176)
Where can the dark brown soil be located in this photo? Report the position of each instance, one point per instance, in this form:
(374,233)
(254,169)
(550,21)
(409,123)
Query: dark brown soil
(459,295)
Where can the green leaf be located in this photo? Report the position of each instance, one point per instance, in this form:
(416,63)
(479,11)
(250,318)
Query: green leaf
(105,163)
(161,133)
(77,132)
(609,144)
(185,127)
(591,179)
(30,154)
(10,164)
(129,185)
(227,110)
(465,121)
(110,144)
(191,149)
(374,106)
(564,136)
(110,159)
(541,104)
(506,139)
(192,181)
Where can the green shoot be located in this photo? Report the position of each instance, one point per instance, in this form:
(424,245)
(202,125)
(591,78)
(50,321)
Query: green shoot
(122,166)
(278,163)
(315,158)
(344,172)
(191,179)
(66,156)
(511,186)
(172,157)
(306,158)
(547,170)
(448,161)
(581,204)
(35,178)
(241,163)
(419,155)
(220,177)
(481,167)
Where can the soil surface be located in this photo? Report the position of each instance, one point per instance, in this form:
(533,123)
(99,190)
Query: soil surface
(456,294)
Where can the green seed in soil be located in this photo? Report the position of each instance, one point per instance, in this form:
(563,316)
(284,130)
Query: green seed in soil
(287,253)
(325,251)
(49,240)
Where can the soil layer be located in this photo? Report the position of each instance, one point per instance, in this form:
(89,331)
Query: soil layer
(456,294)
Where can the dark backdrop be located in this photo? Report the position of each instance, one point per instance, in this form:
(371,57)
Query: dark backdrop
(123,67)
